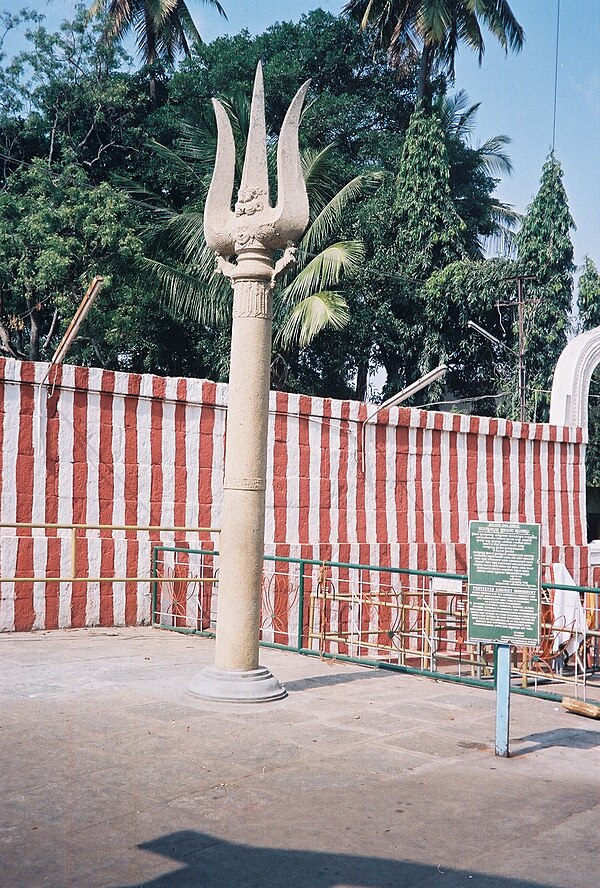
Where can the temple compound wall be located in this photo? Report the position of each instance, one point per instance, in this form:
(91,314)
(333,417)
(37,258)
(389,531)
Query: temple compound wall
(95,447)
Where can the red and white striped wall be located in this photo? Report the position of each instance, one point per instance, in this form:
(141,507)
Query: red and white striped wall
(89,446)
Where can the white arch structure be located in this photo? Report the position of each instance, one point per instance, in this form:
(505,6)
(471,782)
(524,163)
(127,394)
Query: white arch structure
(571,382)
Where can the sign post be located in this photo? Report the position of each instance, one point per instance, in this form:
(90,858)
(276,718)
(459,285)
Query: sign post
(504,600)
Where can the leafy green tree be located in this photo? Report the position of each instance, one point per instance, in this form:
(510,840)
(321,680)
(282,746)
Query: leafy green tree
(75,98)
(428,234)
(430,230)
(588,296)
(430,31)
(56,233)
(354,100)
(480,371)
(545,252)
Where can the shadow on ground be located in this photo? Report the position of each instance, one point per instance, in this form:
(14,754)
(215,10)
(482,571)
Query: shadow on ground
(204,861)
(321,681)
(571,738)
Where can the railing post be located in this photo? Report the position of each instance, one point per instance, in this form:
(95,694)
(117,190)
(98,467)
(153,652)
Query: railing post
(301,607)
(73,553)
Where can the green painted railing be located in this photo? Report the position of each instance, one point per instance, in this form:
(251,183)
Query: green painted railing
(303,640)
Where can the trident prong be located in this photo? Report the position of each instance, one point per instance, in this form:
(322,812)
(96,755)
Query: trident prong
(254,222)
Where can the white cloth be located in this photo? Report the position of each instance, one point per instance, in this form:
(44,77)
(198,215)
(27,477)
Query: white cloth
(569,624)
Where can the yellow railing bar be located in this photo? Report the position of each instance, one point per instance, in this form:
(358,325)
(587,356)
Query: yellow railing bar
(74,528)
(142,527)
(107,580)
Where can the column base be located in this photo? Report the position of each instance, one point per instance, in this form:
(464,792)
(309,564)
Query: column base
(252,686)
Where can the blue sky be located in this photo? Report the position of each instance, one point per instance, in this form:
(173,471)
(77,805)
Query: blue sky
(516,92)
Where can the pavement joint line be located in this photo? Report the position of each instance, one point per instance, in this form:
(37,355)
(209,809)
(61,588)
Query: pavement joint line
(532,832)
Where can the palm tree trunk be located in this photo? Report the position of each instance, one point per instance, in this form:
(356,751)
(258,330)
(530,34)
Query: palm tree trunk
(362,378)
(425,72)
(35,317)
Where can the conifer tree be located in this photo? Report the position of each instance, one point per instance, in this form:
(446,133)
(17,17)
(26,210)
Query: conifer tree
(545,251)
(429,236)
(430,231)
(588,297)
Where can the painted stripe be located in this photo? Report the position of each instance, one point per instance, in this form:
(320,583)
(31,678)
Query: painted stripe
(377,501)
(305,470)
(391,484)
(94,555)
(461,487)
(270,470)
(469,445)
(133,592)
(81,436)
(411,486)
(213,458)
(166,512)
(435,476)
(314,474)
(334,472)
(323,518)
(558,524)
(293,470)
(40,555)
(482,480)
(356,476)
(192,459)
(25,463)
(499,480)
(511,467)
(546,532)
(10,438)
(106,487)
(8,563)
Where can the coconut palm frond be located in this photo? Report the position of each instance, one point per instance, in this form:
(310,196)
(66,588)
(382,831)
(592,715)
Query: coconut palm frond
(185,25)
(183,235)
(324,270)
(505,215)
(317,171)
(191,293)
(174,158)
(494,157)
(198,146)
(327,221)
(151,203)
(311,315)
(455,113)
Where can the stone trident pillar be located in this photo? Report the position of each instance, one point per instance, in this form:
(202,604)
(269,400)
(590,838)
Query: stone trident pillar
(245,241)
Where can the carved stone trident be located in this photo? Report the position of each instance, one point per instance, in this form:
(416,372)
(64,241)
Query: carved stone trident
(245,241)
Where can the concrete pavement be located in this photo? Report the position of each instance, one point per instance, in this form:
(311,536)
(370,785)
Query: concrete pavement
(111,775)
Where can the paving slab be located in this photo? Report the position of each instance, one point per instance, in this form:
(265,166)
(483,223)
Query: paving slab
(112,776)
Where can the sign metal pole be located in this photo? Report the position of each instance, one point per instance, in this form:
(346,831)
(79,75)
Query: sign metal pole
(502,699)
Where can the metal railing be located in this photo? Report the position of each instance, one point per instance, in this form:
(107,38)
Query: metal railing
(393,618)
(77,532)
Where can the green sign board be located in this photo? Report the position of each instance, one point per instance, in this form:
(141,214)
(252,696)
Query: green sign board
(504,583)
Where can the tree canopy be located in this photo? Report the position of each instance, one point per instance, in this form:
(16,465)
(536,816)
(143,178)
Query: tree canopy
(101,174)
(428,33)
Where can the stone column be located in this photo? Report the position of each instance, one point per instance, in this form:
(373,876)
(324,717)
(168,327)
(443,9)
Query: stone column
(245,242)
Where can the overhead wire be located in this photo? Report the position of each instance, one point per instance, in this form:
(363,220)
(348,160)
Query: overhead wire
(555,75)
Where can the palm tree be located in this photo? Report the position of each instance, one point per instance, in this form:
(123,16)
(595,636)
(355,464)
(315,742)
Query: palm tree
(492,222)
(164,28)
(178,263)
(430,31)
